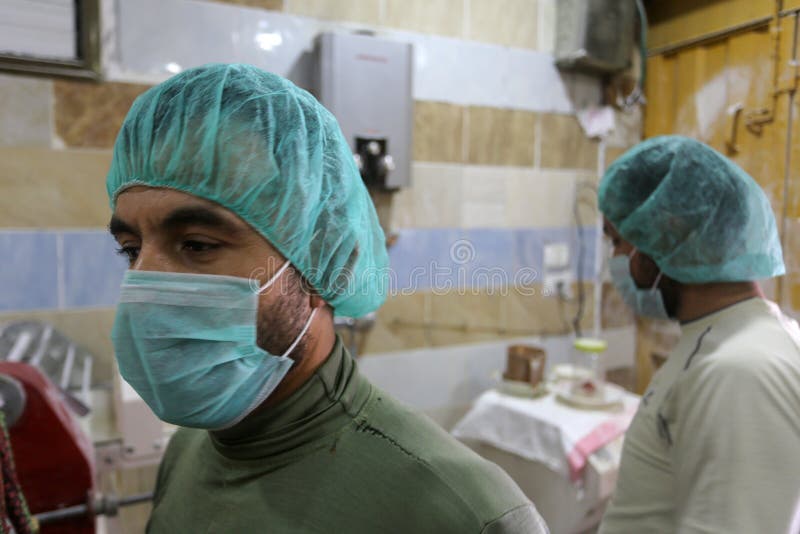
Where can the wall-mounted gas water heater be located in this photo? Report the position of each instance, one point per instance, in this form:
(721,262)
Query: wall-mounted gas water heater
(365,81)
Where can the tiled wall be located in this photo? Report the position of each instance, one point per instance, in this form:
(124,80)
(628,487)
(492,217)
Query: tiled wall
(498,158)
(58,262)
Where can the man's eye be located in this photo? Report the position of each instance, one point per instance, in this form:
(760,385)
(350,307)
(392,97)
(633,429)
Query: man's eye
(130,252)
(199,246)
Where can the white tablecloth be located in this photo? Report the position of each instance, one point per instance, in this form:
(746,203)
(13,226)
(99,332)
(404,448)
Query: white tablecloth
(544,429)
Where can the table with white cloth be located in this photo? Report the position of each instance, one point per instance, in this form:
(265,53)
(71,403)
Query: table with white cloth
(563,457)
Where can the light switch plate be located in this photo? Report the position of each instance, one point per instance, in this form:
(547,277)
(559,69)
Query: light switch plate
(556,256)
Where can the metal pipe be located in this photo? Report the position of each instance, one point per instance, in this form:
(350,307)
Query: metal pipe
(470,328)
(136,499)
(62,513)
(108,505)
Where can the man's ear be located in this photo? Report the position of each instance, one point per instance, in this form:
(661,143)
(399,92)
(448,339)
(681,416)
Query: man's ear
(317,301)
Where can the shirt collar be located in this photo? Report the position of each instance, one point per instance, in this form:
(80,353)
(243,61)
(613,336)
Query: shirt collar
(324,404)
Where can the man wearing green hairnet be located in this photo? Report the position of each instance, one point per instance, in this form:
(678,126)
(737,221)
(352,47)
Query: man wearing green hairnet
(236,199)
(715,445)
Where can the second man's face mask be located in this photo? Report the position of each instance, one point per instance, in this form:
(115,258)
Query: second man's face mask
(644,302)
(187,344)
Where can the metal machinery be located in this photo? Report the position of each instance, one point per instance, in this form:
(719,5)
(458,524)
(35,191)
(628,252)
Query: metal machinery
(595,36)
(55,461)
(365,82)
(53,456)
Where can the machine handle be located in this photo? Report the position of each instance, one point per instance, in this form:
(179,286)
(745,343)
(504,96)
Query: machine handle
(107,505)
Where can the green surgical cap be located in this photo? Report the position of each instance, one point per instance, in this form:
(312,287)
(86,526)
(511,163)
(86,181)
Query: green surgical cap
(698,215)
(266,150)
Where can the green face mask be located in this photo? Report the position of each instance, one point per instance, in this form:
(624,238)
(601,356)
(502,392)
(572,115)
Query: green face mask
(187,344)
(643,302)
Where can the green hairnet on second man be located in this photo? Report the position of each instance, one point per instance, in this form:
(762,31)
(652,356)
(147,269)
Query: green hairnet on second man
(698,215)
(713,445)
(236,199)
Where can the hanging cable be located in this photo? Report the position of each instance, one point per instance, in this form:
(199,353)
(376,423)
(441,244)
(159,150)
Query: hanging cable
(637,95)
(581,259)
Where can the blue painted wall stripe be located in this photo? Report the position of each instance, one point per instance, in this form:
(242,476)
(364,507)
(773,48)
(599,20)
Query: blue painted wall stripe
(28,270)
(92,269)
(427,259)
(422,259)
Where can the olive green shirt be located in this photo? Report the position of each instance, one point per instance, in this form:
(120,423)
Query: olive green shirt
(338,456)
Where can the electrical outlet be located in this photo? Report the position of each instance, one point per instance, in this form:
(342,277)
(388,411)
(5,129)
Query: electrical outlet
(556,257)
(558,276)
(558,282)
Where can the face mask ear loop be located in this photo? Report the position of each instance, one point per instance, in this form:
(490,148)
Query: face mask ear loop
(658,279)
(301,334)
(274,277)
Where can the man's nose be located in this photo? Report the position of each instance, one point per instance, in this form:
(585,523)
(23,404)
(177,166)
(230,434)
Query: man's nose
(153,257)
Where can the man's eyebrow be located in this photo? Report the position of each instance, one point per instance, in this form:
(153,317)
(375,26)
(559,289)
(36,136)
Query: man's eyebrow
(201,216)
(117,226)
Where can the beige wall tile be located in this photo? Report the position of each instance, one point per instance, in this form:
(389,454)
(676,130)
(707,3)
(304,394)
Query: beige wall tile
(505,22)
(461,318)
(541,199)
(498,197)
(89,328)
(40,188)
(501,136)
(366,11)
(25,111)
(586,186)
(485,197)
(275,5)
(478,317)
(443,17)
(564,145)
(465,318)
(89,115)
(547,25)
(438,132)
(434,199)
(394,328)
(484,215)
(527,309)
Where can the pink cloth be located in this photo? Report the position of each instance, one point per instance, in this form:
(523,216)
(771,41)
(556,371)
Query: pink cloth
(595,440)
